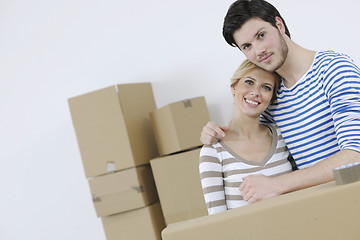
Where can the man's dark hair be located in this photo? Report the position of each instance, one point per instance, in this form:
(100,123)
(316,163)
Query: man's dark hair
(242,10)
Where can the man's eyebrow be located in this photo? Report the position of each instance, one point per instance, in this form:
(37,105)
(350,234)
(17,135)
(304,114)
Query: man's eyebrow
(258,32)
(255,36)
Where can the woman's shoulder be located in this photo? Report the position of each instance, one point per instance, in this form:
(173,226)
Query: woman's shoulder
(210,149)
(272,126)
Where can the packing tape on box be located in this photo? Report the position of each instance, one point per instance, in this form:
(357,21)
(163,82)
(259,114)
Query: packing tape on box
(347,173)
(187,103)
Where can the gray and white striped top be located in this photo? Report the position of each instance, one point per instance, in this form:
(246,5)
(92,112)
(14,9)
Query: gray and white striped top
(222,170)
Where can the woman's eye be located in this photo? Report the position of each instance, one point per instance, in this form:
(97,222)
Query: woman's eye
(267,88)
(261,35)
(249,82)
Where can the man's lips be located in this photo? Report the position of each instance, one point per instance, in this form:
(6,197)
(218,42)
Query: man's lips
(266,58)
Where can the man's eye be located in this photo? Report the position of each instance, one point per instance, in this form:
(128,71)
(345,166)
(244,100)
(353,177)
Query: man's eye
(246,46)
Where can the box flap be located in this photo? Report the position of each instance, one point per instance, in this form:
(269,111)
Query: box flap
(94,105)
(122,191)
(144,223)
(117,182)
(190,116)
(164,130)
(137,101)
(104,142)
(179,186)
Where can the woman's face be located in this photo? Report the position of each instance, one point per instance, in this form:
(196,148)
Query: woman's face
(253,92)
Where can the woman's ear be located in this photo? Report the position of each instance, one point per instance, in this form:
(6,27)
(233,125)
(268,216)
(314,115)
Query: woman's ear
(233,90)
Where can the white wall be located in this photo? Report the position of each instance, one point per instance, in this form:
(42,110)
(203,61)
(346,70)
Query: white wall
(53,50)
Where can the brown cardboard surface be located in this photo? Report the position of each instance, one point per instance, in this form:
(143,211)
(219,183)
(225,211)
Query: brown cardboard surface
(122,191)
(144,223)
(178,184)
(178,126)
(327,211)
(113,127)
(101,102)
(137,101)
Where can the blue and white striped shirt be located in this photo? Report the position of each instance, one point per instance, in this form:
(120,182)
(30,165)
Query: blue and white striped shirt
(320,114)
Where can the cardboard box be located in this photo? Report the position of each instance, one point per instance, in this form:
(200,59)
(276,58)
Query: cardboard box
(144,223)
(113,127)
(178,125)
(122,191)
(178,184)
(327,211)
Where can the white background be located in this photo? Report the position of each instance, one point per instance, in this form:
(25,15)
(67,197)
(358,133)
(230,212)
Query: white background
(53,50)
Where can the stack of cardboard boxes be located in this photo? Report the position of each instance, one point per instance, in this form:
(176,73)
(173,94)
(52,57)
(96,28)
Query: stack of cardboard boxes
(116,143)
(177,129)
(119,132)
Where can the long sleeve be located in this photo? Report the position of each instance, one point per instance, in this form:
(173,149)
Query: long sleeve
(342,88)
(212,180)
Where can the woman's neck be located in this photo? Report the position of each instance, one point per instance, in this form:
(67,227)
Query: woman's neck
(244,127)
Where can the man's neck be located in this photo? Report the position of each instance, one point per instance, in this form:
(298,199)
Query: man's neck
(297,63)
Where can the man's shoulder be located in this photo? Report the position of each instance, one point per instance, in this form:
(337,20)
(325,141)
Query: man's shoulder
(329,55)
(329,60)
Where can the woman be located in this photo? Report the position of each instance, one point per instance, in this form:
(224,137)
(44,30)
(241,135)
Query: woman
(249,147)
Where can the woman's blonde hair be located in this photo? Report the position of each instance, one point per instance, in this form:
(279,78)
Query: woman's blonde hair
(245,68)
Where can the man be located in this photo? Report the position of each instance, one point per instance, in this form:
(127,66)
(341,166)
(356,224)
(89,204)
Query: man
(318,104)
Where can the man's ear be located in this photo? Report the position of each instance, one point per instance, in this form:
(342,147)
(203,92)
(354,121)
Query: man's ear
(280,24)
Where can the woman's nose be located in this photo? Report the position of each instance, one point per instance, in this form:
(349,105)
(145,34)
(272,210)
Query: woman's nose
(254,93)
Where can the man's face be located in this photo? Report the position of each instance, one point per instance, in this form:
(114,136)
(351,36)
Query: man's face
(262,44)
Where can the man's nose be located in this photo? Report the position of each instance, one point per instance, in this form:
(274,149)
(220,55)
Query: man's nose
(259,49)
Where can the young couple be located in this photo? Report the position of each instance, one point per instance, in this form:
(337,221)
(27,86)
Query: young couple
(316,111)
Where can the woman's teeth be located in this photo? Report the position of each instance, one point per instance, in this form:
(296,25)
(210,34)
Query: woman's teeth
(252,102)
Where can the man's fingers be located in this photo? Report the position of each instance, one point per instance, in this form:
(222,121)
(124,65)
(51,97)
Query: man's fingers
(224,128)
(212,133)
(218,133)
(207,139)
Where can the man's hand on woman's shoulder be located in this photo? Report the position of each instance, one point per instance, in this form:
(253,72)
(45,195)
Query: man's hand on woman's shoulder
(212,133)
